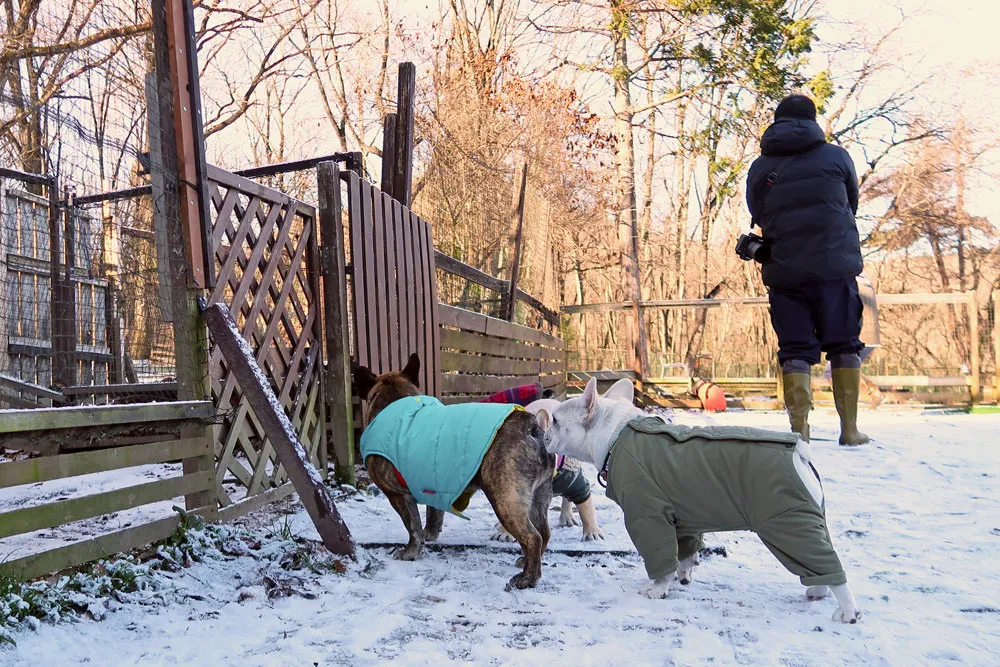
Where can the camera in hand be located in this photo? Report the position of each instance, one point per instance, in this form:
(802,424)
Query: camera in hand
(750,246)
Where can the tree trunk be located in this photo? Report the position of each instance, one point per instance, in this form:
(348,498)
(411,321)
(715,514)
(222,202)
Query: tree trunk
(628,232)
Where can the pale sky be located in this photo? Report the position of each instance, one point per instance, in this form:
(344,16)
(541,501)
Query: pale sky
(958,42)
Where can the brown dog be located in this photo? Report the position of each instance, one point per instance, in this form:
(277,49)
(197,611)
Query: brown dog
(515,474)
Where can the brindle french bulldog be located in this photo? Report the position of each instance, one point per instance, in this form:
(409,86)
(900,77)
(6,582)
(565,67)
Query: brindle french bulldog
(515,474)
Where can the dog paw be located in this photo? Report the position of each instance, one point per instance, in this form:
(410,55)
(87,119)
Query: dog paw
(569,520)
(657,590)
(521,581)
(409,553)
(431,536)
(594,535)
(501,535)
(817,592)
(852,615)
(685,569)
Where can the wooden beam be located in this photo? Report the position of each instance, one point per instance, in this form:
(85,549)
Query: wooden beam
(189,143)
(883,299)
(54,560)
(122,389)
(24,177)
(29,519)
(451,265)
(48,468)
(996,346)
(388,152)
(63,297)
(338,346)
(491,326)
(30,388)
(255,502)
(466,341)
(15,421)
(403,169)
(157,175)
(975,384)
(487,384)
(291,166)
(468,363)
(258,393)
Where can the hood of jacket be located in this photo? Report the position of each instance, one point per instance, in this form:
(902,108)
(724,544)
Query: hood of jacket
(790,136)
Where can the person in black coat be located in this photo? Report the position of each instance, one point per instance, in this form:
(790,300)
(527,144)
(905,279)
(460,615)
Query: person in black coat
(803,193)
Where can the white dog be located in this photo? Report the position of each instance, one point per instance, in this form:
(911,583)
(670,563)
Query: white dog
(675,483)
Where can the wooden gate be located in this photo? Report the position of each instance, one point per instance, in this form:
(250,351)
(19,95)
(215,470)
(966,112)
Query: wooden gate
(394,284)
(267,260)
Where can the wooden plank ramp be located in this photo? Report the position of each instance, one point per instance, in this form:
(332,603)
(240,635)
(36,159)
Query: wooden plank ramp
(281,432)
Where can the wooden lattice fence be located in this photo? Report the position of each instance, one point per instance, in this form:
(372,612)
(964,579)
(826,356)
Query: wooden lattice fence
(266,257)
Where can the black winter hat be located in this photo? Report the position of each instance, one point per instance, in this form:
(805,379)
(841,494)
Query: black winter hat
(796,106)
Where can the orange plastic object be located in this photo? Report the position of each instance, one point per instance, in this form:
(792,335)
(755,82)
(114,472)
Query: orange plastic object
(711,395)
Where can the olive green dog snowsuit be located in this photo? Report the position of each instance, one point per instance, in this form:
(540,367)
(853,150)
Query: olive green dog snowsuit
(675,483)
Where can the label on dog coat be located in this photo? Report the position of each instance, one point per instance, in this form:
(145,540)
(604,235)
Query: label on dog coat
(436,448)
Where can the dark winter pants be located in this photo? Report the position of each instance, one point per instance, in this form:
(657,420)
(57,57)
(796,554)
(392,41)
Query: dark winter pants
(817,317)
(571,485)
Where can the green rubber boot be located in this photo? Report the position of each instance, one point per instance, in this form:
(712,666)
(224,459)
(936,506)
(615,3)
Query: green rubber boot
(798,401)
(846,383)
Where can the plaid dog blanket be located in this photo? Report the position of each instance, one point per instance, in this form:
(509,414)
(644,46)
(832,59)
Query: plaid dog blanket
(522,395)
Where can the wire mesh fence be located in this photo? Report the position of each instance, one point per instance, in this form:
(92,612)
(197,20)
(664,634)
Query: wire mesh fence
(80,301)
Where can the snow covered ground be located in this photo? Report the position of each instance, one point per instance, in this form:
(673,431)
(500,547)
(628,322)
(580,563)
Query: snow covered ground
(915,518)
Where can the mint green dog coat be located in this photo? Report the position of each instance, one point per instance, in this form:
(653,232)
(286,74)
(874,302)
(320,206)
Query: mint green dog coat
(437,449)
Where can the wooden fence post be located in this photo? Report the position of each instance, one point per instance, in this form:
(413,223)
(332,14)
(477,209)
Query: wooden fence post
(510,303)
(5,305)
(63,295)
(403,169)
(388,152)
(975,388)
(158,198)
(185,272)
(996,347)
(338,348)
(111,265)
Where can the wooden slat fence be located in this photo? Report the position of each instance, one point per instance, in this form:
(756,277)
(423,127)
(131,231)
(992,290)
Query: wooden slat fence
(267,263)
(98,419)
(481,355)
(394,284)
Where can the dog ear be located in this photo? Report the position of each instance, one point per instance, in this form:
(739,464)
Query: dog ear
(365,380)
(542,417)
(549,393)
(623,390)
(590,398)
(412,370)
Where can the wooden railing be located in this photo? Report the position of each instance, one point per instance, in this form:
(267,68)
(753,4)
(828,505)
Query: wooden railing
(92,424)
